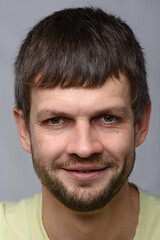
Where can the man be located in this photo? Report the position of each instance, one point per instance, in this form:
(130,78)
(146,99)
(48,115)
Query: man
(82,107)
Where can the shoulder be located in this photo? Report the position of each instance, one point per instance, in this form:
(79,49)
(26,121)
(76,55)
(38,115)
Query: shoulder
(11,209)
(149,216)
(15,218)
(149,202)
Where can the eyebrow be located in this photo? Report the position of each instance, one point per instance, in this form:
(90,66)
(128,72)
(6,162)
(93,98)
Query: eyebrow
(120,110)
(123,111)
(50,113)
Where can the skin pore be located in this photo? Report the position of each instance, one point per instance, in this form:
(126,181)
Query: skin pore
(83,148)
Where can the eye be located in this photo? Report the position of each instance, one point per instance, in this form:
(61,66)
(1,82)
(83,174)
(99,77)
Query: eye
(55,120)
(108,118)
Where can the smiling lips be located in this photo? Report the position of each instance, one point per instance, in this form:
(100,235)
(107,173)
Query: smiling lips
(85,173)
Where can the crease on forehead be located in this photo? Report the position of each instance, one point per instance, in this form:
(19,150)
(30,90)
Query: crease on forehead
(79,101)
(119,110)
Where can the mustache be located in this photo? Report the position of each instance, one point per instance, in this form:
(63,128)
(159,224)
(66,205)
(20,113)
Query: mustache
(96,159)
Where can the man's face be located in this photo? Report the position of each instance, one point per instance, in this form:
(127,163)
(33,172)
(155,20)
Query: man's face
(83,142)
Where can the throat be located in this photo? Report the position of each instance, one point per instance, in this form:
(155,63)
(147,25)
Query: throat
(63,223)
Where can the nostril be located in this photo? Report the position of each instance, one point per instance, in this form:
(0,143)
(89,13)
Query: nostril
(85,150)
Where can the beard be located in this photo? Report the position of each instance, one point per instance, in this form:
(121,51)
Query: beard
(84,196)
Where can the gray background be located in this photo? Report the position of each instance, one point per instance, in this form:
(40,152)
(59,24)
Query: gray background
(17,177)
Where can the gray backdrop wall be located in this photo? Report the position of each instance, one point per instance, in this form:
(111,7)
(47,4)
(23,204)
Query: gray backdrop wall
(17,177)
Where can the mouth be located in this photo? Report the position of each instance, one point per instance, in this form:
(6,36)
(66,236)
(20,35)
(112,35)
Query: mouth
(85,174)
(87,171)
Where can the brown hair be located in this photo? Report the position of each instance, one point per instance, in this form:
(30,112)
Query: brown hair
(80,47)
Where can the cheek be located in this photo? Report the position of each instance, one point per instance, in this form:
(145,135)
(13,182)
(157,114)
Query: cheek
(48,147)
(120,144)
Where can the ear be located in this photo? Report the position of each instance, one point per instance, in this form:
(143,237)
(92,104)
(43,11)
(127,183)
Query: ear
(142,126)
(24,135)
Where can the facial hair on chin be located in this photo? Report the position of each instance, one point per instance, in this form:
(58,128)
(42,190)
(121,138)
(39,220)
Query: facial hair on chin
(83,199)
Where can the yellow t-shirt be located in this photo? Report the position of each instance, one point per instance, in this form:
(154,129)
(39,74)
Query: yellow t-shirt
(23,220)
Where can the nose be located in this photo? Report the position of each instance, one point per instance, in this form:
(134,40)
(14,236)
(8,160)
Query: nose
(84,141)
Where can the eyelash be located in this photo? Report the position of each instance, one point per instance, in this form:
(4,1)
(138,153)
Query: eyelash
(110,116)
(115,120)
(49,121)
(97,119)
(58,118)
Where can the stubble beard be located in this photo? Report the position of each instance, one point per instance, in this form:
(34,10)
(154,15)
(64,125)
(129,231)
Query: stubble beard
(83,198)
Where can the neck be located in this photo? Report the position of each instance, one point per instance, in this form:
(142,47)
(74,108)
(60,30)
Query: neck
(117,220)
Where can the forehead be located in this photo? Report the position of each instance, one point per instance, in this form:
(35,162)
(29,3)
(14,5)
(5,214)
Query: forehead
(113,92)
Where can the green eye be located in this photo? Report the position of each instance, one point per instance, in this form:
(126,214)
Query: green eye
(108,118)
(55,120)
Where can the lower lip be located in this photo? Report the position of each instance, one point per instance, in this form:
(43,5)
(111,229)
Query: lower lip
(81,176)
